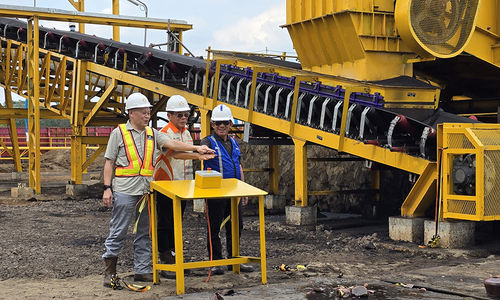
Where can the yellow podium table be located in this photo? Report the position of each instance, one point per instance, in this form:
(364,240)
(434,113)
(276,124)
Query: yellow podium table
(181,190)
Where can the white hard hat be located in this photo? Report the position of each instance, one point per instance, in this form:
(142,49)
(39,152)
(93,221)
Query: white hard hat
(177,103)
(137,100)
(222,113)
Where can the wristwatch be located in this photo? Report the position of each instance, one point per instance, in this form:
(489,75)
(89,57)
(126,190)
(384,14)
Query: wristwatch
(105,187)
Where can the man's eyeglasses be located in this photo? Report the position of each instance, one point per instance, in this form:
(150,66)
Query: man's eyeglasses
(218,123)
(180,115)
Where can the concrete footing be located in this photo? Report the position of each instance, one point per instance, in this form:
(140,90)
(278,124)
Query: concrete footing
(77,189)
(406,229)
(277,202)
(199,205)
(298,215)
(22,192)
(453,234)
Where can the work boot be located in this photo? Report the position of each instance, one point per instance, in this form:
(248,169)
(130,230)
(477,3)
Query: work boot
(110,270)
(243,268)
(147,277)
(169,258)
(218,270)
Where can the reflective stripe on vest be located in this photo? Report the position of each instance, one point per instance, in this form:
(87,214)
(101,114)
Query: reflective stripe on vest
(136,165)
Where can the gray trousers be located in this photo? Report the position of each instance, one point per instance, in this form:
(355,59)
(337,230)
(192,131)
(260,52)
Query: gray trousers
(124,207)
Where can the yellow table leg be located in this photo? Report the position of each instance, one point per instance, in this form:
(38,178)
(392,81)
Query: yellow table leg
(154,238)
(235,231)
(179,254)
(262,240)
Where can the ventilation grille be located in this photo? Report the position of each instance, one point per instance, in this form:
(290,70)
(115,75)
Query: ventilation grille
(444,26)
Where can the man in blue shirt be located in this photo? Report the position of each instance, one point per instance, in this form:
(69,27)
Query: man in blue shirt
(227,162)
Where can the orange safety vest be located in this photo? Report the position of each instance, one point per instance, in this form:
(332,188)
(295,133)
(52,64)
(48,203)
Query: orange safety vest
(167,168)
(137,166)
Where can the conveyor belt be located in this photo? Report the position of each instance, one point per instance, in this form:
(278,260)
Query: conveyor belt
(319,106)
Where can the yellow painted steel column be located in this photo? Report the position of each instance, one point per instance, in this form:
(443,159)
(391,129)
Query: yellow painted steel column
(33,105)
(204,123)
(262,230)
(300,172)
(83,152)
(154,237)
(181,48)
(77,117)
(274,166)
(116,29)
(81,26)
(179,251)
(235,231)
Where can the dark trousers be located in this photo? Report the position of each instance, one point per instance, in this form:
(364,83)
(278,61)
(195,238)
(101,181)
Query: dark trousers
(218,210)
(166,239)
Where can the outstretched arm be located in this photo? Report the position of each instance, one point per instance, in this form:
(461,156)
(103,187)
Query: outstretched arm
(191,155)
(180,146)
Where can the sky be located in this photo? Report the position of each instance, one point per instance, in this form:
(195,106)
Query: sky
(249,26)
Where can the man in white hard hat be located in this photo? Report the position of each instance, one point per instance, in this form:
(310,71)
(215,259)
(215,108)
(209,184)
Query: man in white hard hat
(173,165)
(131,151)
(228,163)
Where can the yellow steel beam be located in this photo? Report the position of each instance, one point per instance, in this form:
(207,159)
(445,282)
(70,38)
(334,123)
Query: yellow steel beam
(16,156)
(6,148)
(274,166)
(77,125)
(423,193)
(144,83)
(22,113)
(51,14)
(282,56)
(45,71)
(300,172)
(102,101)
(116,29)
(204,123)
(99,150)
(32,61)
(95,140)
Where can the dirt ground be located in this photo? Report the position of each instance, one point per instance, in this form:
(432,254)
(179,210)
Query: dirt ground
(51,248)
